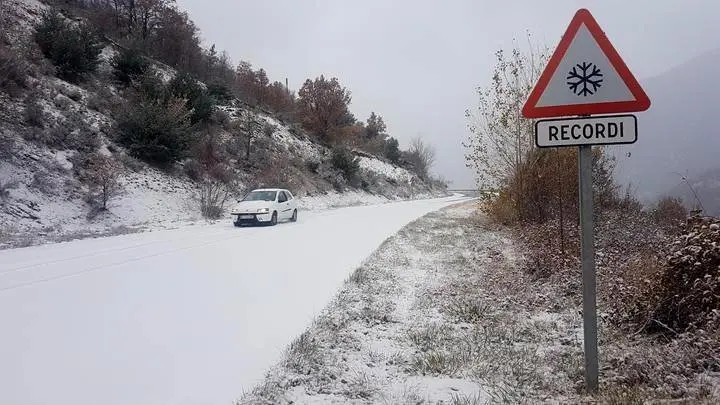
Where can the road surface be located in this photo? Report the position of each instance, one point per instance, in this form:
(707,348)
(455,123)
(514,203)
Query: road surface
(188,316)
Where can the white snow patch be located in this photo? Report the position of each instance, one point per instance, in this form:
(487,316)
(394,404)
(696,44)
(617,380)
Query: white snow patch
(434,390)
(334,199)
(385,169)
(62,158)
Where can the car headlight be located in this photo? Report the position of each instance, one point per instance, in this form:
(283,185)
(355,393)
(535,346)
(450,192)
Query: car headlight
(264,211)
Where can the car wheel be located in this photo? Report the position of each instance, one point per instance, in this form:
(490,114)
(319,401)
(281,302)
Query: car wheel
(294,217)
(273,220)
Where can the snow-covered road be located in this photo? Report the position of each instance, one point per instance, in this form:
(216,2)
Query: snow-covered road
(188,316)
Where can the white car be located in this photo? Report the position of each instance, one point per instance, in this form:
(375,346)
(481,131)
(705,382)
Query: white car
(265,206)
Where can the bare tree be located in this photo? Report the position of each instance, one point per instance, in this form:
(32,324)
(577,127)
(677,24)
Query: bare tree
(103,174)
(248,128)
(501,136)
(421,156)
(213,196)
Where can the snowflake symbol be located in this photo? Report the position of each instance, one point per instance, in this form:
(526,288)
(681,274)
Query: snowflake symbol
(584,79)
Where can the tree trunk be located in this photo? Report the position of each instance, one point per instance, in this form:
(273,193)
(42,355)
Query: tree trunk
(105,196)
(247,149)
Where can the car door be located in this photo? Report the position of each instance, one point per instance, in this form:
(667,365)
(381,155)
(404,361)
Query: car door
(292,201)
(285,211)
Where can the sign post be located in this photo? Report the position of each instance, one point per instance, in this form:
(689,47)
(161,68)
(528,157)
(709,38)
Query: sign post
(586,76)
(587,247)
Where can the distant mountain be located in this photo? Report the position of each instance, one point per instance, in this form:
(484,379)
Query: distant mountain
(679,135)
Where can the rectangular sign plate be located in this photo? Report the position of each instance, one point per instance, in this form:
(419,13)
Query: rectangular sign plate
(601,130)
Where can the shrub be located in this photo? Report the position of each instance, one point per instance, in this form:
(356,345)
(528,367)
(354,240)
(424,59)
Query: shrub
(62,102)
(184,86)
(344,161)
(73,50)
(312,165)
(103,174)
(217,184)
(213,196)
(279,174)
(71,133)
(129,64)
(220,92)
(687,296)
(43,182)
(421,156)
(152,88)
(34,113)
(156,132)
(392,150)
(13,71)
(8,145)
(670,212)
(269,129)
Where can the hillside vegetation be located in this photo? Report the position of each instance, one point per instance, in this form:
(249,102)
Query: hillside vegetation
(657,266)
(115,117)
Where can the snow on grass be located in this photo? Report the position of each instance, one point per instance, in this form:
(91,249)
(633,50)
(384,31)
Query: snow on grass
(440,313)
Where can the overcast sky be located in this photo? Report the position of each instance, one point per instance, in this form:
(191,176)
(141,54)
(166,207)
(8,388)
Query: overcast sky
(418,62)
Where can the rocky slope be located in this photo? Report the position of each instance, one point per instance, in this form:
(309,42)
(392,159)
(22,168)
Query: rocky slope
(49,128)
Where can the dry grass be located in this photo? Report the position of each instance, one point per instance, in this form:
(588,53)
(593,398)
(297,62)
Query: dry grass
(476,314)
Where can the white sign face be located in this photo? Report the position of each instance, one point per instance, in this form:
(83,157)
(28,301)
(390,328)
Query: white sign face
(585,76)
(602,130)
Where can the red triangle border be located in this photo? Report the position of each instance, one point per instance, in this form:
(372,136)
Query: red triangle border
(583,16)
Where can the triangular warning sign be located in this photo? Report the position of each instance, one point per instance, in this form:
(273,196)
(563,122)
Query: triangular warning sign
(584,76)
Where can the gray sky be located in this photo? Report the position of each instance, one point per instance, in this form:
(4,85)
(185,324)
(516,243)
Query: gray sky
(418,62)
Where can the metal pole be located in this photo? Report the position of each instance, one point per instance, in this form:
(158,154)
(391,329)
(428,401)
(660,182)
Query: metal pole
(588,267)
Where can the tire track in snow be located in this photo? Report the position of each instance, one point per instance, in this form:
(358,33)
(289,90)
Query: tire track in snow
(104,252)
(110,265)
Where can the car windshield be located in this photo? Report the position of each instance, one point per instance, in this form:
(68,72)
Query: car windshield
(261,196)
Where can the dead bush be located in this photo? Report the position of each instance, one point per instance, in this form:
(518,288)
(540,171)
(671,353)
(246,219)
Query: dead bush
(194,170)
(213,196)
(544,186)
(670,213)
(421,157)
(687,296)
(501,208)
(278,173)
(634,291)
(103,174)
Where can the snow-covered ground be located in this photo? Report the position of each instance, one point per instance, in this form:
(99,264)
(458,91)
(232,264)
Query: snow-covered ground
(442,313)
(187,316)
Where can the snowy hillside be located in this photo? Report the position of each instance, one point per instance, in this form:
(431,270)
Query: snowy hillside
(48,136)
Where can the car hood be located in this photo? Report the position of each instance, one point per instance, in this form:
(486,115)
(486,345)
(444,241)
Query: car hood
(251,206)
